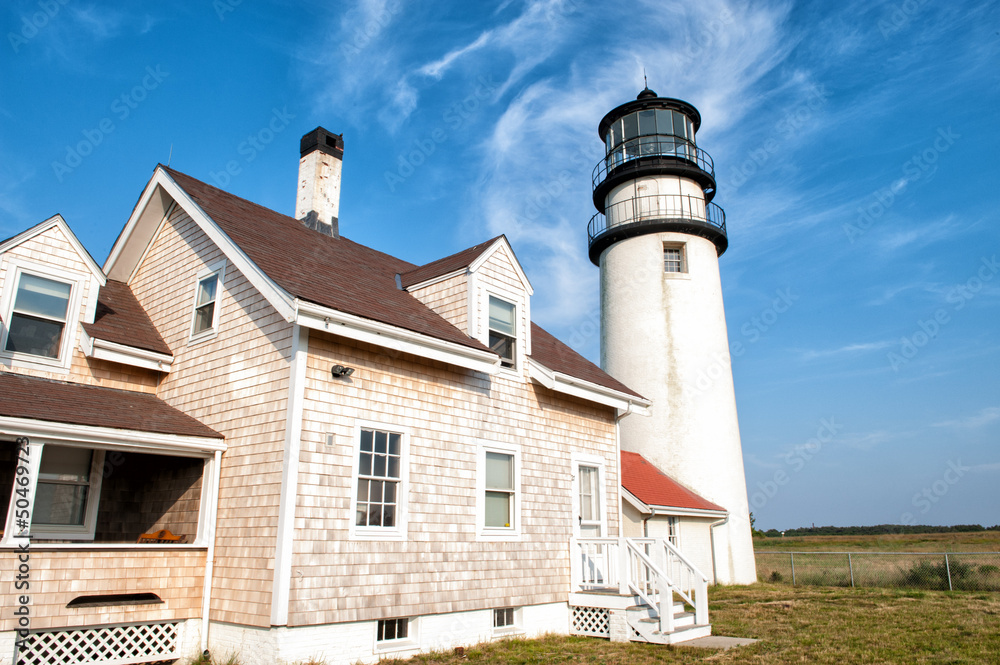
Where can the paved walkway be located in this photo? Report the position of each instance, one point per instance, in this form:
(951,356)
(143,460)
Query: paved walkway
(718,642)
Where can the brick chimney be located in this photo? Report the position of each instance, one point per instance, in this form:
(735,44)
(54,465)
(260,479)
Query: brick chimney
(317,203)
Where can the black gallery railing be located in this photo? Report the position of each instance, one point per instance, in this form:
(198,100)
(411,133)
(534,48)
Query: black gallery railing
(657,209)
(652,146)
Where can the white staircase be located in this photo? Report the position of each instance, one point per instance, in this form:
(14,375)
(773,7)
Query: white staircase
(640,589)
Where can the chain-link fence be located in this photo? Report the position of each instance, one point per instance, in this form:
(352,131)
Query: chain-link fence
(952,571)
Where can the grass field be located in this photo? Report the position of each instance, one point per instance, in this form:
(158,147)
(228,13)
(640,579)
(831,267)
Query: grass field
(977,541)
(795,625)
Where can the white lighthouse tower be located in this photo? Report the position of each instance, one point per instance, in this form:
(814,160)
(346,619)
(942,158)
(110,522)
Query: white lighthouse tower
(657,237)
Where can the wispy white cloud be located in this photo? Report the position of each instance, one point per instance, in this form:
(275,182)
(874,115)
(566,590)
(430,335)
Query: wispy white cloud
(847,350)
(985,416)
(438,68)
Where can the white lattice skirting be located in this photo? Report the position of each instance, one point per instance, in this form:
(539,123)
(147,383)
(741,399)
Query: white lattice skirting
(107,645)
(593,621)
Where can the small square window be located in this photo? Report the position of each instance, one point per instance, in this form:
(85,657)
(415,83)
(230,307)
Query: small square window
(503,331)
(393,629)
(503,617)
(674,259)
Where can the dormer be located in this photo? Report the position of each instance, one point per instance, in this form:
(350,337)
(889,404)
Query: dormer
(484,292)
(49,285)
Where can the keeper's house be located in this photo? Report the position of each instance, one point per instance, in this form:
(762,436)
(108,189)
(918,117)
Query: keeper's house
(247,433)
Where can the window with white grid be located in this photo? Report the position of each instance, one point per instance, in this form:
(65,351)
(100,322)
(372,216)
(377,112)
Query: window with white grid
(379,482)
(674,260)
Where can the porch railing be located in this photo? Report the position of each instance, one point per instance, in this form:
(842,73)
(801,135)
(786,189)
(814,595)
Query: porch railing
(650,568)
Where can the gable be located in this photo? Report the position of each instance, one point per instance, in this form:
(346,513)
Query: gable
(315,280)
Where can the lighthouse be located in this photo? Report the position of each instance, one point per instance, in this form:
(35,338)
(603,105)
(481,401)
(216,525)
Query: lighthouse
(657,238)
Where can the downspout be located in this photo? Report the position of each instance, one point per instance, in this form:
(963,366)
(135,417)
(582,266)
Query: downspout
(213,513)
(618,461)
(711,538)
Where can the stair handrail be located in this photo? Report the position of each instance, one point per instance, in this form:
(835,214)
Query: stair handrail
(700,603)
(663,587)
(696,597)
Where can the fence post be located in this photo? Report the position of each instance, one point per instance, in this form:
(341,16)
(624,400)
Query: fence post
(947,567)
(791,555)
(850,564)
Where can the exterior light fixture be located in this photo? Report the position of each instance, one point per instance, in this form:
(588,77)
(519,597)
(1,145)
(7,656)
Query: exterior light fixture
(339,371)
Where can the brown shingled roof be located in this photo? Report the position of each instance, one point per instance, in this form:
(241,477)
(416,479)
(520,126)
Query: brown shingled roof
(655,488)
(333,272)
(448,264)
(558,357)
(79,404)
(122,320)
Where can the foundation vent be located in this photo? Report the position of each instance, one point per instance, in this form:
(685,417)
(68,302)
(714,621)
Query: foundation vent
(107,645)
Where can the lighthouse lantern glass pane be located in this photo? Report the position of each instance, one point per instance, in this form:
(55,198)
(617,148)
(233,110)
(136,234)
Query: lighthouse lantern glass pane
(664,125)
(616,133)
(647,122)
(631,125)
(680,127)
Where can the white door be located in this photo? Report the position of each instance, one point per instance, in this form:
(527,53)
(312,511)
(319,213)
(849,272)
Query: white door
(589,501)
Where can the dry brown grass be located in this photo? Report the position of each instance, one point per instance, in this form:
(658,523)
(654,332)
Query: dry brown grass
(976,541)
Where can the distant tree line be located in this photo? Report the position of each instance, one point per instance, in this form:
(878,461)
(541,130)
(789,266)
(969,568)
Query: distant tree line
(877,530)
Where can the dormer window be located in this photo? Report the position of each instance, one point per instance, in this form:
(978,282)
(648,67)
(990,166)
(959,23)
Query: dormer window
(37,318)
(503,332)
(205,320)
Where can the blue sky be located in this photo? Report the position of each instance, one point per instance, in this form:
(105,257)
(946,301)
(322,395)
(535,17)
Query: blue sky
(855,149)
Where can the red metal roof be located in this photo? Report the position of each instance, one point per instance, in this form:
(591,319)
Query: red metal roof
(655,488)
(93,406)
(122,320)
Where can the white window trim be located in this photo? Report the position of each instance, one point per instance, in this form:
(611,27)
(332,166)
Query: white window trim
(11,537)
(520,337)
(78,282)
(408,643)
(517,628)
(685,273)
(397,532)
(584,459)
(493,533)
(217,268)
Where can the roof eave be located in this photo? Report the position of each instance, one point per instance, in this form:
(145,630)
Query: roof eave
(652,510)
(319,317)
(571,385)
(109,437)
(102,349)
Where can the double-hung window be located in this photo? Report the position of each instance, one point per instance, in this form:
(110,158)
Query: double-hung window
(503,331)
(37,321)
(499,489)
(66,493)
(205,319)
(379,495)
(674,259)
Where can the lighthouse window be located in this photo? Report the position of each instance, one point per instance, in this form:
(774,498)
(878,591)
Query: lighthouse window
(503,332)
(664,124)
(647,122)
(631,126)
(673,259)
